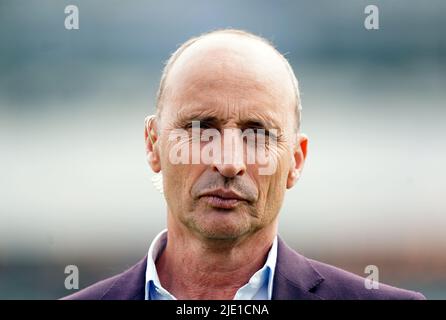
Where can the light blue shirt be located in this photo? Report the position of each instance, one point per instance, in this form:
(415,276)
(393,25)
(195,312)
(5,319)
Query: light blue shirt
(259,286)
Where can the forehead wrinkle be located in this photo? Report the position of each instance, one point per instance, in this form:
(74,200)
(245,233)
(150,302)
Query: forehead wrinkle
(236,88)
(203,99)
(215,94)
(188,111)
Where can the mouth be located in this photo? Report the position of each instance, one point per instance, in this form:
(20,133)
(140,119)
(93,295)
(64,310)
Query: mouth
(222,198)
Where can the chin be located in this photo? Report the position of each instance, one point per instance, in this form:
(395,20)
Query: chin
(222,226)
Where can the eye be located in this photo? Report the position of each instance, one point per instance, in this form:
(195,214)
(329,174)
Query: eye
(206,125)
(190,125)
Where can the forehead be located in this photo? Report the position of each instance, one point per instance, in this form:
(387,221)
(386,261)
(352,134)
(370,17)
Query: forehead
(227,76)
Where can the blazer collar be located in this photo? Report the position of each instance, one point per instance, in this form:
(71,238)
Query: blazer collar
(295,278)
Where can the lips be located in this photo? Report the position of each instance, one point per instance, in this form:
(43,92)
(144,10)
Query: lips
(222,198)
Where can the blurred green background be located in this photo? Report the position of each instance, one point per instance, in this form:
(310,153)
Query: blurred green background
(74,184)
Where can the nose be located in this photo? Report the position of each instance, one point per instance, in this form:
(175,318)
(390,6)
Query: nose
(230,170)
(232,161)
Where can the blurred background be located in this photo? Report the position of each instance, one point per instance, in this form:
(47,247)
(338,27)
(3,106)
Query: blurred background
(74,184)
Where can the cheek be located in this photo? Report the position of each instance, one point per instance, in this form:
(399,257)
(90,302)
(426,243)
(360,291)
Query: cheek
(173,175)
(272,187)
(179,179)
(278,176)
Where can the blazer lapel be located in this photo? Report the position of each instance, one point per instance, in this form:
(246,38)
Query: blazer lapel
(130,285)
(295,278)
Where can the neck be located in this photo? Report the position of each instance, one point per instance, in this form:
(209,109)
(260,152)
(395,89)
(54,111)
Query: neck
(211,269)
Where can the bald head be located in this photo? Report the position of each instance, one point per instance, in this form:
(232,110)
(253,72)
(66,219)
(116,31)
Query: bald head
(231,61)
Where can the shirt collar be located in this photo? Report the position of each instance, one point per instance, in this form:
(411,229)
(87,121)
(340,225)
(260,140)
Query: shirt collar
(152,280)
(262,278)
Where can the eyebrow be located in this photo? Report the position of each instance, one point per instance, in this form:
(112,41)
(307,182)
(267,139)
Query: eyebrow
(182,121)
(203,116)
(258,123)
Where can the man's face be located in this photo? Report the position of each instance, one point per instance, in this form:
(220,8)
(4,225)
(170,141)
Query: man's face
(228,83)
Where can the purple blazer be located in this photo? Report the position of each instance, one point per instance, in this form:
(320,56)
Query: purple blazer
(295,278)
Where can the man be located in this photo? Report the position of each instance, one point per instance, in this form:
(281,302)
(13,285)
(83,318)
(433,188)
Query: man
(221,240)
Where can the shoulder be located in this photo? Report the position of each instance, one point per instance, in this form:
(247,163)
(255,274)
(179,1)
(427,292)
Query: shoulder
(128,285)
(95,291)
(341,284)
(298,277)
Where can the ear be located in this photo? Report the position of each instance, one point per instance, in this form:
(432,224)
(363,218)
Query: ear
(151,142)
(298,160)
